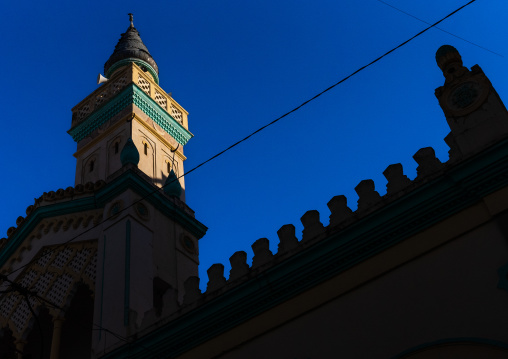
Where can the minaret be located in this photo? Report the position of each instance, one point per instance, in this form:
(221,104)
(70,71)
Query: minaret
(130,104)
(474,111)
(130,134)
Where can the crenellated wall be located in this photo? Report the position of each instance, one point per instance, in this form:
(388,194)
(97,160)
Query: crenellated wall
(424,264)
(456,205)
(419,272)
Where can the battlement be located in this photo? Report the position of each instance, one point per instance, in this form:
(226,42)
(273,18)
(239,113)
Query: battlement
(444,202)
(393,222)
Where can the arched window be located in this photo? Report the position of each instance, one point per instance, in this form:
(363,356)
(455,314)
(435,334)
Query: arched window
(146,148)
(117,145)
(92,165)
(168,166)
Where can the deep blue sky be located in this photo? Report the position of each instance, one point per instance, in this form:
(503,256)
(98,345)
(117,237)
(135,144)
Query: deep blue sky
(235,66)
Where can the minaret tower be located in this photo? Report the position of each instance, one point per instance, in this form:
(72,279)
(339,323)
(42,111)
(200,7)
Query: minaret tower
(93,264)
(130,136)
(129,104)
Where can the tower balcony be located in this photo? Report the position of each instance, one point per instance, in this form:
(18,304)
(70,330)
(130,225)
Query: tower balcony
(132,73)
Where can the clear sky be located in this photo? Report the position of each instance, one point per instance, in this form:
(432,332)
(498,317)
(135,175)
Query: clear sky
(235,66)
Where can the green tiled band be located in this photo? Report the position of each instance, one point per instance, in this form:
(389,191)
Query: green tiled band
(132,94)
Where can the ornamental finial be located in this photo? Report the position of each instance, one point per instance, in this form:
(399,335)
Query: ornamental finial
(131,18)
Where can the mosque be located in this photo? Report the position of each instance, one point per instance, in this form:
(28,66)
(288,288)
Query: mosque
(109,268)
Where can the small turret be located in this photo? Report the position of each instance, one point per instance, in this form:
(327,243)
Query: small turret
(172,186)
(476,115)
(130,153)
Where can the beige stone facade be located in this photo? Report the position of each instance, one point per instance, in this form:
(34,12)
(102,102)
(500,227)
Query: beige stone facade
(98,156)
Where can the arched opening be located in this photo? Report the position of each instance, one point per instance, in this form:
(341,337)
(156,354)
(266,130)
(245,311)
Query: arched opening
(159,288)
(76,340)
(7,346)
(147,157)
(113,163)
(91,169)
(39,334)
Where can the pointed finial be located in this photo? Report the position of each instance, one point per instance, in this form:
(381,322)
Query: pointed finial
(172,185)
(131,18)
(129,153)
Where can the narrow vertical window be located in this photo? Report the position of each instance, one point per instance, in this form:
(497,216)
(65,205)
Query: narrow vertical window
(116,147)
(146,148)
(92,164)
(168,167)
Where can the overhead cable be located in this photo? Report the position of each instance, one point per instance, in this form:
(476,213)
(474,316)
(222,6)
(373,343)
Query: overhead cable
(440,29)
(255,132)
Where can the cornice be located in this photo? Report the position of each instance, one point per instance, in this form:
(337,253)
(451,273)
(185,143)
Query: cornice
(131,94)
(119,123)
(153,195)
(40,213)
(99,194)
(102,135)
(146,104)
(158,136)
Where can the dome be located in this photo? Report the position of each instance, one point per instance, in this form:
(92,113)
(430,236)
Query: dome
(130,48)
(129,153)
(443,50)
(447,54)
(172,186)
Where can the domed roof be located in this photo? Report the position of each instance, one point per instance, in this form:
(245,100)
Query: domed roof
(130,47)
(446,55)
(443,50)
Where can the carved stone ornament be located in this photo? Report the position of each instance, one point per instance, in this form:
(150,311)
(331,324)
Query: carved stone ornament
(142,211)
(465,97)
(115,209)
(188,244)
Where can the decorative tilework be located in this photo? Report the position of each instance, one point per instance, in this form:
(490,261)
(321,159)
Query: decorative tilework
(176,114)
(62,258)
(80,260)
(58,291)
(144,85)
(90,270)
(22,314)
(51,280)
(7,304)
(132,94)
(163,102)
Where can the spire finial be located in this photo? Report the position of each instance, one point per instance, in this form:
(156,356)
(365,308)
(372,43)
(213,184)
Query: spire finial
(131,18)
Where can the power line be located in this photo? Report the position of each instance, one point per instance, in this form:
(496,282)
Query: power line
(440,29)
(257,131)
(229,148)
